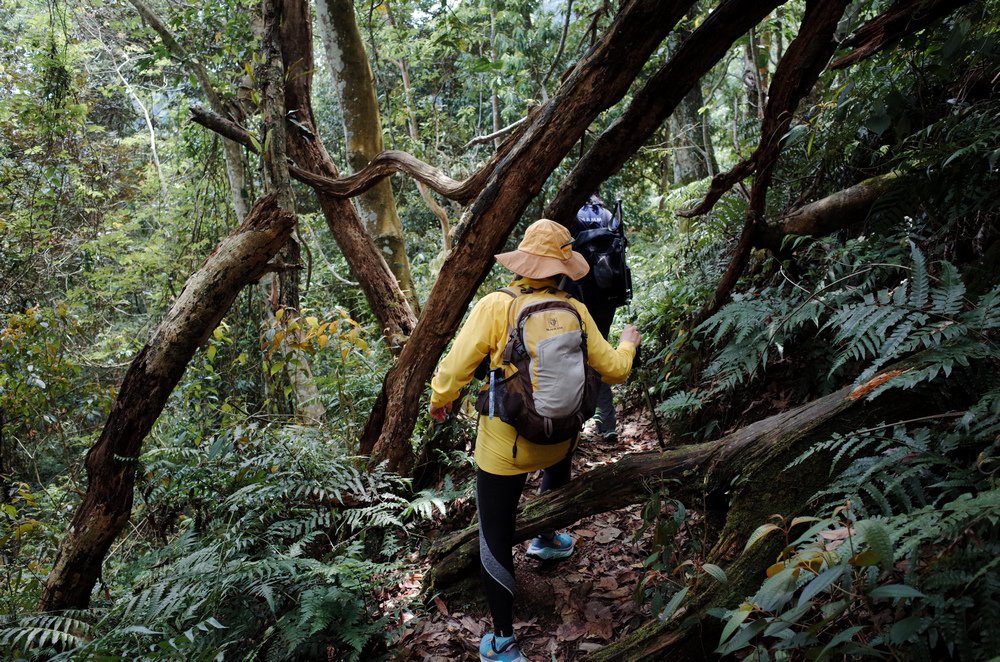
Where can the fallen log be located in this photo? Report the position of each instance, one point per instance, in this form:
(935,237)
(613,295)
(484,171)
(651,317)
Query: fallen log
(706,467)
(760,485)
(832,213)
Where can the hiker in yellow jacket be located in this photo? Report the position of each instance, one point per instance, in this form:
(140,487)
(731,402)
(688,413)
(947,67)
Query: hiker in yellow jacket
(503,459)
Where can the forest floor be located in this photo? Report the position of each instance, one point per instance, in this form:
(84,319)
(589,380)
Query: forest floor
(563,609)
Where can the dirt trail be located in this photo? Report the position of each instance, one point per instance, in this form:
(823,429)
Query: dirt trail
(563,609)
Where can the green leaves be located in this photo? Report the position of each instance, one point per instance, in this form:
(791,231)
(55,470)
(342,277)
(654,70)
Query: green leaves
(895,591)
(759,534)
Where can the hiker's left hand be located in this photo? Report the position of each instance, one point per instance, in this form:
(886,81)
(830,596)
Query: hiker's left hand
(440,413)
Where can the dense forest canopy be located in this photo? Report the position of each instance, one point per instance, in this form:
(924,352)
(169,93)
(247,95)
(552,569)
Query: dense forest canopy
(237,237)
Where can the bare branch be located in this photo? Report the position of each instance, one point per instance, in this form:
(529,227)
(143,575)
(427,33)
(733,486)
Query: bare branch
(479,140)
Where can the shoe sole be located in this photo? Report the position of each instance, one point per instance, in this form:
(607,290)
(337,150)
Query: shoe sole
(560,557)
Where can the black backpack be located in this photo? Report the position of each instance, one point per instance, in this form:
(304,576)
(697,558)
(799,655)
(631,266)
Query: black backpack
(604,249)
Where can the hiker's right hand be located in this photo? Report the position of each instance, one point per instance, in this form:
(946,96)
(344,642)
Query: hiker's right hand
(631,334)
(440,413)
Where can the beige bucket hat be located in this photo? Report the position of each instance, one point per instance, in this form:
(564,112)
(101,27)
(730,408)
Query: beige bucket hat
(545,251)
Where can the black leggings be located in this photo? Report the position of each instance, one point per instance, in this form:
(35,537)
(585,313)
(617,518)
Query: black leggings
(496,500)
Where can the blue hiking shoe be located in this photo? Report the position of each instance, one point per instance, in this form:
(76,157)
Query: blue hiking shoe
(499,649)
(560,546)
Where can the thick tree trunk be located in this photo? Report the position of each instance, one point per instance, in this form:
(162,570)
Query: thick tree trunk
(238,260)
(353,81)
(285,283)
(598,81)
(305,148)
(656,101)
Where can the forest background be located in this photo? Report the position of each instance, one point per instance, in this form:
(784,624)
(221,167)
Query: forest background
(212,439)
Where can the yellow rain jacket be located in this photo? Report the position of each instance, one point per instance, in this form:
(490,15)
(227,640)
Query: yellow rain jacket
(485,333)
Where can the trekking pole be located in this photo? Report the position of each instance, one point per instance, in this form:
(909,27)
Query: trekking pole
(638,372)
(649,405)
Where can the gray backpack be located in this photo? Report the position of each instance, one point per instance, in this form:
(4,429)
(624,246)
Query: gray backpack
(545,389)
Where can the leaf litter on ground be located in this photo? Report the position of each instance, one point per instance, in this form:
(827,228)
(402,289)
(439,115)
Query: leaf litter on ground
(565,609)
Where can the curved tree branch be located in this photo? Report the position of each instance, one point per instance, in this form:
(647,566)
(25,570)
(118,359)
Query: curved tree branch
(721,183)
(902,19)
(796,74)
(385,164)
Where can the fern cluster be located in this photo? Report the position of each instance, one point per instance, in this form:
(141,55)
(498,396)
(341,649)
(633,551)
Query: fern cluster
(921,526)
(870,314)
(276,546)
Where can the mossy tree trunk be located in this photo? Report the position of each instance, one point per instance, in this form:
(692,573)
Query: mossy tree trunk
(355,86)
(240,259)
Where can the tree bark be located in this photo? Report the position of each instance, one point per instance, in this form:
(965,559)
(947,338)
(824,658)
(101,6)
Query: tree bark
(656,101)
(902,19)
(796,74)
(238,260)
(285,282)
(830,214)
(305,147)
(352,76)
(597,82)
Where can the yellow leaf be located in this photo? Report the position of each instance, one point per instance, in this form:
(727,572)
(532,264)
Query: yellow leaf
(211,353)
(279,314)
(313,322)
(217,334)
(343,353)
(322,340)
(866,558)
(25,528)
(775,569)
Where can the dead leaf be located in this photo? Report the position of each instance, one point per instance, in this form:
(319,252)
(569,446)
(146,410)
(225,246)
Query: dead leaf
(595,611)
(837,534)
(602,629)
(570,631)
(584,533)
(607,584)
(604,536)
(473,625)
(442,609)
